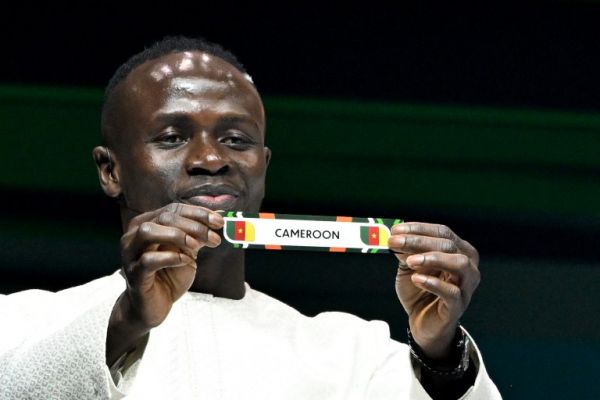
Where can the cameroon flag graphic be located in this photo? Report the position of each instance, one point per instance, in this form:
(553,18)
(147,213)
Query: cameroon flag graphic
(240,230)
(374,235)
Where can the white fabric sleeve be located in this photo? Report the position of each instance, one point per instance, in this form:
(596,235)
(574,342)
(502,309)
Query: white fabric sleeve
(484,387)
(53,345)
(397,378)
(124,371)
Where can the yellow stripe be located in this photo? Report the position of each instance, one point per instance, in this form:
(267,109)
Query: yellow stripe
(249,237)
(383,237)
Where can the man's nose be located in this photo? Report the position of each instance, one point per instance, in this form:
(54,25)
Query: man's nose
(207,156)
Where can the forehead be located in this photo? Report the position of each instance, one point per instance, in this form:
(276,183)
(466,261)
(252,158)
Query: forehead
(194,63)
(195,79)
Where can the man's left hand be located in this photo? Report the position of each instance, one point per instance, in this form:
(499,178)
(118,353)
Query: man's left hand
(437,275)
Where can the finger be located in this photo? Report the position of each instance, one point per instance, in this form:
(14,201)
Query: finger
(210,218)
(446,291)
(435,230)
(198,230)
(407,243)
(153,261)
(424,229)
(458,265)
(402,264)
(148,234)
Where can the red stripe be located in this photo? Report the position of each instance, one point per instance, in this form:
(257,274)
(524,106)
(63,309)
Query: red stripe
(240,230)
(374,236)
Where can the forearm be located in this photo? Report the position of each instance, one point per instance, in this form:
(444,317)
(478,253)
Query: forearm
(123,333)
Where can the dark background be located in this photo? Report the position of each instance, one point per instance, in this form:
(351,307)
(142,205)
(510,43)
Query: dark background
(482,119)
(525,56)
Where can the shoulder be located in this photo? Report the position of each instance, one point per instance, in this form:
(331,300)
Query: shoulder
(37,305)
(101,286)
(34,314)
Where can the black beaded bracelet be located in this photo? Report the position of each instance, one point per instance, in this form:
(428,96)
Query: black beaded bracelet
(459,355)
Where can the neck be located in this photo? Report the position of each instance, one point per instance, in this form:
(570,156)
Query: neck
(220,272)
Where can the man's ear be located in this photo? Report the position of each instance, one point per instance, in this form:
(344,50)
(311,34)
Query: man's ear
(267,156)
(108,170)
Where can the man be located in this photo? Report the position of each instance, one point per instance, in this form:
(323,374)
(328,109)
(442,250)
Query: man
(184,127)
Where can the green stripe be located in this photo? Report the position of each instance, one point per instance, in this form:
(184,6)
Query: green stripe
(364,234)
(307,217)
(230,226)
(486,160)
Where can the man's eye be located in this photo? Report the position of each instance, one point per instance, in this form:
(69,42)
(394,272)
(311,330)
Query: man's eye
(236,141)
(232,140)
(171,139)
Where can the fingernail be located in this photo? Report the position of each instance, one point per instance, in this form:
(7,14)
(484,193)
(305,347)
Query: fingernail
(417,259)
(215,220)
(418,278)
(192,244)
(399,228)
(214,238)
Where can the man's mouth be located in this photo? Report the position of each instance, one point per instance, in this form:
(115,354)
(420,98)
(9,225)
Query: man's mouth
(219,202)
(219,197)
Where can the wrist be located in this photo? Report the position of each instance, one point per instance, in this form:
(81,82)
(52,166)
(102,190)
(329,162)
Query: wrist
(454,363)
(124,331)
(126,317)
(436,346)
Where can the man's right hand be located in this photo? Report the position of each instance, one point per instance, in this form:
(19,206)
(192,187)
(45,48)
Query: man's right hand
(158,253)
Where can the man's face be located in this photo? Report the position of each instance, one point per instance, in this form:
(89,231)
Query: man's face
(193,132)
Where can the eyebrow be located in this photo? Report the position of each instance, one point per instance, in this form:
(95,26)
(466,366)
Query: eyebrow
(174,119)
(237,119)
(178,118)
